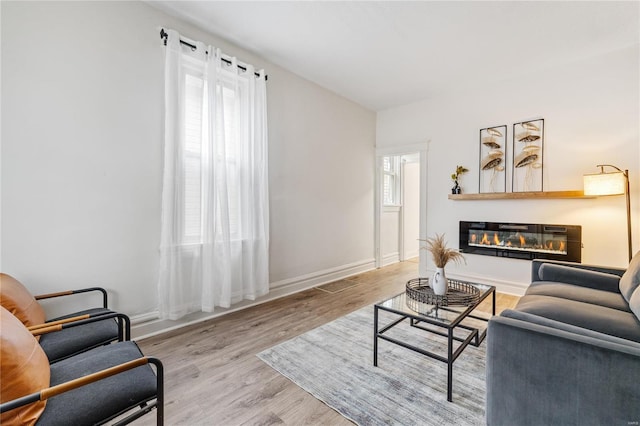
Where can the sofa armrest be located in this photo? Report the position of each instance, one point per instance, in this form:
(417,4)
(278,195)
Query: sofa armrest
(538,374)
(537,263)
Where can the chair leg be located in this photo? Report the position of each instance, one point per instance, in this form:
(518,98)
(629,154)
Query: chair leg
(160,390)
(124,328)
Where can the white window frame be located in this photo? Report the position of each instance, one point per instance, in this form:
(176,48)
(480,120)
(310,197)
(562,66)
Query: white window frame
(392,173)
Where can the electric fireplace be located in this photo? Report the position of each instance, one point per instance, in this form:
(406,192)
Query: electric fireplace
(522,240)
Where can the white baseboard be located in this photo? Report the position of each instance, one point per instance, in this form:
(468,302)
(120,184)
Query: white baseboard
(142,318)
(390,258)
(322,277)
(411,254)
(150,324)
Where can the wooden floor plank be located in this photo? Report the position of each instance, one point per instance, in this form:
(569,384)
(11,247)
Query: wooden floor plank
(212,374)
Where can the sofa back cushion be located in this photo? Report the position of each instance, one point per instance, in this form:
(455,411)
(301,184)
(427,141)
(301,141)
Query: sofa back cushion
(24,370)
(630,280)
(15,298)
(578,276)
(634,303)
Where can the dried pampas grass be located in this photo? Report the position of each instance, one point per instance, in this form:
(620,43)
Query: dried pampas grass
(442,255)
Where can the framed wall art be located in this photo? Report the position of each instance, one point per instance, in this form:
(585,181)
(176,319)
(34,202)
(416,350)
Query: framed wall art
(493,146)
(528,143)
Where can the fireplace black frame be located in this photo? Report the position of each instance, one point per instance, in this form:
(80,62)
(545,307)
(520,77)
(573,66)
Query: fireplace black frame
(573,235)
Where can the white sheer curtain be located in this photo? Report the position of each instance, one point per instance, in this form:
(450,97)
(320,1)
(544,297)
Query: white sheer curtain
(215,212)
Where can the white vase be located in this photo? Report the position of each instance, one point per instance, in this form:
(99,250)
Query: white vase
(439,282)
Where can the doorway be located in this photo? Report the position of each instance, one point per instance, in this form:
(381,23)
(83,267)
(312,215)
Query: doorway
(401,194)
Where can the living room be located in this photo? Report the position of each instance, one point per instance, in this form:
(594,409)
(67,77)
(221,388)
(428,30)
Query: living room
(82,151)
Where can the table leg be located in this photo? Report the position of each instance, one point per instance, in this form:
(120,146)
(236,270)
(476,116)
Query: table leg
(494,302)
(450,366)
(375,336)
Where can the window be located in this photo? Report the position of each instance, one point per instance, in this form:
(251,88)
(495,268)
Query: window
(391,180)
(197,162)
(193,116)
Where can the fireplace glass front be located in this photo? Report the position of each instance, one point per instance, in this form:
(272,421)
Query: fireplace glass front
(522,241)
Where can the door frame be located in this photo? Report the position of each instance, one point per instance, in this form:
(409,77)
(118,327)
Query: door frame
(423,149)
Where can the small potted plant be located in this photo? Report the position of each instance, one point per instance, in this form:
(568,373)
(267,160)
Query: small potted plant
(460,170)
(441,255)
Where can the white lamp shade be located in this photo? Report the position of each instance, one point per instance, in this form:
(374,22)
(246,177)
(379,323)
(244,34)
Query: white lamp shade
(605,184)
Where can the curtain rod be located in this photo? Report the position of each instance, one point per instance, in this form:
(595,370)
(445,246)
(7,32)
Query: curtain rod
(164,36)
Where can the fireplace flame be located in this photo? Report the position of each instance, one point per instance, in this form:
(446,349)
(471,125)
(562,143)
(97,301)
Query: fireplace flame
(496,240)
(485,239)
(555,245)
(522,240)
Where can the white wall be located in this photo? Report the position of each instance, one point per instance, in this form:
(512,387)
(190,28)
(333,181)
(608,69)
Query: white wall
(82,113)
(591,111)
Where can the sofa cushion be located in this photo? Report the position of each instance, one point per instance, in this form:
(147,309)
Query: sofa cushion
(593,317)
(580,277)
(630,280)
(16,299)
(579,294)
(634,303)
(25,370)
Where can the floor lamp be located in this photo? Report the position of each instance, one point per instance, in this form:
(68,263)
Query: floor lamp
(611,183)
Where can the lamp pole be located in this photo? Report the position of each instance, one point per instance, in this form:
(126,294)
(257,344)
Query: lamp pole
(625,173)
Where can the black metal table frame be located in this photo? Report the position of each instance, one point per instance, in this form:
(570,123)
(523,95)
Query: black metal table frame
(416,319)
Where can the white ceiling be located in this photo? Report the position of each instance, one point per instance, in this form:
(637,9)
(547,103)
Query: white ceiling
(388,53)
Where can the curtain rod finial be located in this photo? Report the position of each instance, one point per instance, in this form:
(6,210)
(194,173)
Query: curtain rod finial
(164,35)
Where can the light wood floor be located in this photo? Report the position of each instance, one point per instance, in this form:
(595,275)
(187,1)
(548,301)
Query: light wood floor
(212,374)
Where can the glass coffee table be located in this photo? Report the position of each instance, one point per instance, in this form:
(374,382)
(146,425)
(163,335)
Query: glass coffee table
(440,320)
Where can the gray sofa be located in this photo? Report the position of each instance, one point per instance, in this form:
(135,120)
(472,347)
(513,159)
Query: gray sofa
(569,353)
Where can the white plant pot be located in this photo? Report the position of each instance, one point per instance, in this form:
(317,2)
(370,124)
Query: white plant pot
(439,282)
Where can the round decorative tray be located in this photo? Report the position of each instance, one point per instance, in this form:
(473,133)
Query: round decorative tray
(459,293)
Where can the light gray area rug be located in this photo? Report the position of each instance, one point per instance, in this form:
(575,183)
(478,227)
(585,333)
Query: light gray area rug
(334,363)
